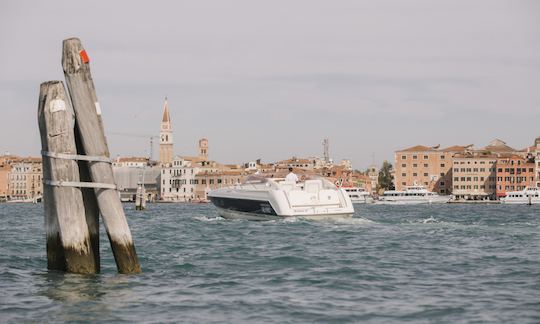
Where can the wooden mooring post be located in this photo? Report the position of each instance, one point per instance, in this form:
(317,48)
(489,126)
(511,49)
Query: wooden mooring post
(76,67)
(68,239)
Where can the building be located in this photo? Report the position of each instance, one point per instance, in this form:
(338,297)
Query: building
(537,160)
(514,173)
(373,175)
(474,176)
(166,137)
(129,172)
(131,162)
(203,149)
(210,179)
(25,179)
(427,166)
(5,170)
(177,182)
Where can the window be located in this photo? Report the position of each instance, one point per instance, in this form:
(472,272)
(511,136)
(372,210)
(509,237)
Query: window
(404,165)
(442,165)
(404,174)
(414,157)
(403,157)
(442,174)
(415,165)
(442,157)
(425,174)
(425,157)
(425,165)
(415,174)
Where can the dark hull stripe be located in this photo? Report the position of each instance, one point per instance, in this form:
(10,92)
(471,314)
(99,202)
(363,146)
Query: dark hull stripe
(244,205)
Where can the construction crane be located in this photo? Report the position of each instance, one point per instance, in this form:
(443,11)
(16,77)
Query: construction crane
(150,137)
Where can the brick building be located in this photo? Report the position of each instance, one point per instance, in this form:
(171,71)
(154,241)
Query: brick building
(514,173)
(427,166)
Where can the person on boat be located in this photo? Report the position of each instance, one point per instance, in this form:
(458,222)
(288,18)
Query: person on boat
(291,176)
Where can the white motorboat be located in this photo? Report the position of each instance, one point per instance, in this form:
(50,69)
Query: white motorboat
(412,195)
(528,196)
(359,195)
(260,198)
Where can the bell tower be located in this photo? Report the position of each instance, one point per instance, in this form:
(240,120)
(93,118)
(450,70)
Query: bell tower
(166,137)
(203,148)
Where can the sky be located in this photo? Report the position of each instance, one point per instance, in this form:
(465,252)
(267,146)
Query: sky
(272,79)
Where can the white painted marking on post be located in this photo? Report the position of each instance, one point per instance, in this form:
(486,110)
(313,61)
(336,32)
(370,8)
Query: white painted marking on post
(57,105)
(98,108)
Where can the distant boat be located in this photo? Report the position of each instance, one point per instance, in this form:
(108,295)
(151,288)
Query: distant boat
(260,198)
(25,200)
(412,195)
(359,195)
(527,196)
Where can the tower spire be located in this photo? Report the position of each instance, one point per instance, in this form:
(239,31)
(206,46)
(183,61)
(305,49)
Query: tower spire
(166,117)
(166,137)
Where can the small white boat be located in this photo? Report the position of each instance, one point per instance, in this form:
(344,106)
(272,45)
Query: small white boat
(359,195)
(528,196)
(260,198)
(412,195)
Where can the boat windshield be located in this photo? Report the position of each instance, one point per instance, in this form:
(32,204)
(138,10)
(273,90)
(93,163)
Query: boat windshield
(255,178)
(326,184)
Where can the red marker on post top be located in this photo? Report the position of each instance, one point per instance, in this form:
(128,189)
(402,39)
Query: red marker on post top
(84,56)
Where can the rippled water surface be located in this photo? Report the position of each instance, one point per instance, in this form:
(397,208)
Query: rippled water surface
(446,263)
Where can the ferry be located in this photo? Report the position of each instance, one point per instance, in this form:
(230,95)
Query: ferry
(359,195)
(262,198)
(528,196)
(412,195)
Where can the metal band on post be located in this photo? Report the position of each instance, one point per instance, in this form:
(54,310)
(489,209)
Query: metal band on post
(78,184)
(77,157)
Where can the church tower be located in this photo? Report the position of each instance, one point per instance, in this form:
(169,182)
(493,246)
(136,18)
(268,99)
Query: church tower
(203,148)
(166,137)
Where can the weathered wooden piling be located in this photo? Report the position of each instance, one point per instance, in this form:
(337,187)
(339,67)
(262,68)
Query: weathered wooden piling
(90,125)
(68,240)
(90,202)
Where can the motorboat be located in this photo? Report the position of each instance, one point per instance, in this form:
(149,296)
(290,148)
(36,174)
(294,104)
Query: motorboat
(527,196)
(359,195)
(263,198)
(412,195)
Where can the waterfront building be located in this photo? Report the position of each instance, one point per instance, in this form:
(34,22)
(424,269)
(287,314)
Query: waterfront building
(214,178)
(131,162)
(129,172)
(25,179)
(426,166)
(177,181)
(5,170)
(166,137)
(474,175)
(514,173)
(537,160)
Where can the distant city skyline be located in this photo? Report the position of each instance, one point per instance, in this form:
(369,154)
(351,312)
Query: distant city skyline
(271,80)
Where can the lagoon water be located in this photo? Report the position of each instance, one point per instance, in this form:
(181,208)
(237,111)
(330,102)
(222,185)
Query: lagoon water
(439,263)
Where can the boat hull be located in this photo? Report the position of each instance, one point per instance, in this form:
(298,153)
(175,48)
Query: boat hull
(234,214)
(412,202)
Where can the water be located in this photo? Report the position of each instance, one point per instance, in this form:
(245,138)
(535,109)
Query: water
(444,263)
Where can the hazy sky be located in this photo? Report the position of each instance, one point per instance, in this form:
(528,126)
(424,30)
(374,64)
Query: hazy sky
(271,79)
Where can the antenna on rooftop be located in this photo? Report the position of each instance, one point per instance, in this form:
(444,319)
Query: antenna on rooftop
(326,150)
